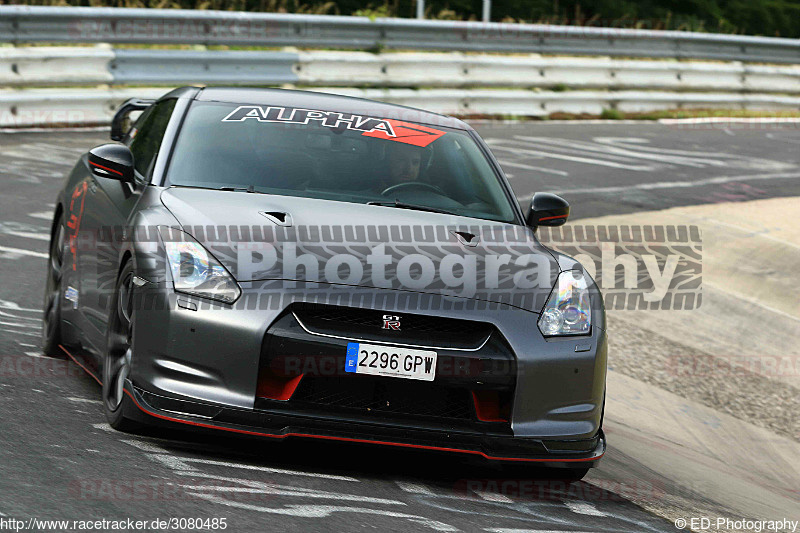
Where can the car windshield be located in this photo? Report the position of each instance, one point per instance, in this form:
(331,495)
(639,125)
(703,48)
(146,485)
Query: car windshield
(336,156)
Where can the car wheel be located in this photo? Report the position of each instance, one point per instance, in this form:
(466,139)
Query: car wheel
(119,352)
(51,324)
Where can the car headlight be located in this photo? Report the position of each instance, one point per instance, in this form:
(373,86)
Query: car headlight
(196,271)
(568,310)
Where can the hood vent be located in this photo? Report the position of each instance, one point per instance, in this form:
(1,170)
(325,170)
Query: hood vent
(278,217)
(466,238)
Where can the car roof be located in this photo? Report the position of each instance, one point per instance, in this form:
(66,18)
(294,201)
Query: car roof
(325,102)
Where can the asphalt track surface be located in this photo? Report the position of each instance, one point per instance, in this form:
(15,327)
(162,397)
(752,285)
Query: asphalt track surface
(60,461)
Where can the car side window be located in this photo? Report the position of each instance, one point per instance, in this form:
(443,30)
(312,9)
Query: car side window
(137,125)
(148,134)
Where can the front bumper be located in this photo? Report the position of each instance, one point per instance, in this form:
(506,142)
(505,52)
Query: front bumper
(204,367)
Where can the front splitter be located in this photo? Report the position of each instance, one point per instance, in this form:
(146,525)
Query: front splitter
(280,426)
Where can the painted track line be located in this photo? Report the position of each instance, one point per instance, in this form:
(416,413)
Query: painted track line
(183,464)
(273,489)
(82,400)
(6,314)
(145,446)
(77,129)
(19,324)
(6,304)
(20,251)
(584,508)
(495,145)
(17,332)
(506,163)
(725,120)
(680,184)
(28,235)
(323,511)
(577,122)
(414,488)
(495,497)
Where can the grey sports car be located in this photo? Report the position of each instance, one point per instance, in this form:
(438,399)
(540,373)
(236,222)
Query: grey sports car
(293,264)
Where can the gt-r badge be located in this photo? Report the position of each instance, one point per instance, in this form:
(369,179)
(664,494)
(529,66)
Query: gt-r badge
(391,322)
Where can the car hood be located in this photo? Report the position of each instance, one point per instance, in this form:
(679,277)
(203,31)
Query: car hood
(299,243)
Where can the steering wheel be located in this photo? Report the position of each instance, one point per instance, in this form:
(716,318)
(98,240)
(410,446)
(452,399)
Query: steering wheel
(411,185)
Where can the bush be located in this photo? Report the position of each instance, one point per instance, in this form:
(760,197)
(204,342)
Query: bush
(612,114)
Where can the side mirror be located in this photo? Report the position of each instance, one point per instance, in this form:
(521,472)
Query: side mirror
(547,210)
(112,161)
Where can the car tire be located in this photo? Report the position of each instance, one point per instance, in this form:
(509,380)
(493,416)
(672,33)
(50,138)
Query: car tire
(119,353)
(53,294)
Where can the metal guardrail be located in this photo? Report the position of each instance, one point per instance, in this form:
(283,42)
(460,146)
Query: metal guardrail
(184,67)
(49,65)
(32,66)
(451,83)
(76,107)
(26,24)
(67,107)
(564,73)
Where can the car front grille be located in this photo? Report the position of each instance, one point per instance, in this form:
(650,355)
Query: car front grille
(413,329)
(302,370)
(382,396)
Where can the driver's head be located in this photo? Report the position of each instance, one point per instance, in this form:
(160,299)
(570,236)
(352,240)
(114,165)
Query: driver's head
(404,163)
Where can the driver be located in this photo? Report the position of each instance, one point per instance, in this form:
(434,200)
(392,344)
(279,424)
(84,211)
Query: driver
(404,161)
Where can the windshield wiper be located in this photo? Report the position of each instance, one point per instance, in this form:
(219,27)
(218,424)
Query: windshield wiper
(249,188)
(401,205)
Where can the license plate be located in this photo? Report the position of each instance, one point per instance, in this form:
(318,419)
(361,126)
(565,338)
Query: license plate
(390,361)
